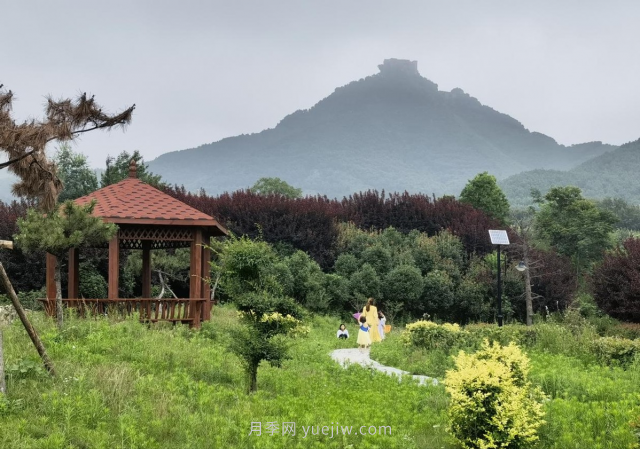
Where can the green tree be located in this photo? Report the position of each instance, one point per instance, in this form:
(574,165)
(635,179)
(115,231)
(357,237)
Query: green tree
(70,226)
(267,321)
(270,186)
(628,215)
(308,281)
(364,284)
(378,257)
(346,264)
(268,316)
(402,286)
(74,172)
(574,226)
(483,193)
(437,295)
(117,169)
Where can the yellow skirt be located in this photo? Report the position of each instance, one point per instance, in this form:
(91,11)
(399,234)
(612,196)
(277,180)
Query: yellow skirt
(374,334)
(363,338)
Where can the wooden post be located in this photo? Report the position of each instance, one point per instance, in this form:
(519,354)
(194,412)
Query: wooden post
(51,283)
(205,287)
(114,267)
(146,269)
(73,287)
(35,339)
(6,244)
(195,276)
(3,385)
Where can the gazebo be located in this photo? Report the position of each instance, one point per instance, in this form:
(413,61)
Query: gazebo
(147,219)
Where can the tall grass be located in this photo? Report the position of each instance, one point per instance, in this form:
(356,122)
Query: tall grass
(123,384)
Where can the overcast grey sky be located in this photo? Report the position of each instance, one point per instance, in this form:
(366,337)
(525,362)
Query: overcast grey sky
(200,71)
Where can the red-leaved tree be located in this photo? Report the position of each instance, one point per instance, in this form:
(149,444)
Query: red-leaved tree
(616,282)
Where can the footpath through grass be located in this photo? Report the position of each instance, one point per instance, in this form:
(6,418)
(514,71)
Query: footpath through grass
(125,385)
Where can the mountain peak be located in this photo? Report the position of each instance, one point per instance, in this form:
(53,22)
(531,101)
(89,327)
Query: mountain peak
(395,66)
(392,130)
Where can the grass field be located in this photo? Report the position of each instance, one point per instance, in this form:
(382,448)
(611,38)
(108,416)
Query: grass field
(590,405)
(122,384)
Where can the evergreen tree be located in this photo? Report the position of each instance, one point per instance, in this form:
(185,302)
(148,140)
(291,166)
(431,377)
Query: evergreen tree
(267,315)
(117,169)
(70,226)
(74,172)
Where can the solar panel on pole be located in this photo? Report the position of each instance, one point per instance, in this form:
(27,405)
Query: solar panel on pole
(498,237)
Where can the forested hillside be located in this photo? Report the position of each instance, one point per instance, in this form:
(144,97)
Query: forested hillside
(613,174)
(394,130)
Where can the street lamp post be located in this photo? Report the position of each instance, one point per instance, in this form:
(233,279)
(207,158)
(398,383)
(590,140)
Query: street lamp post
(499,237)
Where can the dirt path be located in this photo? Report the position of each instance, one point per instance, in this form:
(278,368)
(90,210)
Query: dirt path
(361,357)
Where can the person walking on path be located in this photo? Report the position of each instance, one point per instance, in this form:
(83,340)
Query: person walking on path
(364,340)
(370,312)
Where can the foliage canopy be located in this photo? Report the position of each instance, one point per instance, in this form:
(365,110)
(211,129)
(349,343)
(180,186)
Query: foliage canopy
(483,193)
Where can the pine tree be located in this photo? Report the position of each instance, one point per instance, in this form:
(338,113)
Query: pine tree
(70,226)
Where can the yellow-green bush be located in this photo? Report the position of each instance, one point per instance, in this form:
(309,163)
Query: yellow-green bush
(430,335)
(615,350)
(517,333)
(493,404)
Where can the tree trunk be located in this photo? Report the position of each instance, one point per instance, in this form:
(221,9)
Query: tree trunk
(3,385)
(6,283)
(59,310)
(253,378)
(527,292)
(213,290)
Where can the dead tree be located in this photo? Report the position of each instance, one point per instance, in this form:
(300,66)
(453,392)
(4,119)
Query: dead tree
(522,225)
(24,145)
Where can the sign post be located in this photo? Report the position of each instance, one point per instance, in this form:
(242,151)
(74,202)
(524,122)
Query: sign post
(499,237)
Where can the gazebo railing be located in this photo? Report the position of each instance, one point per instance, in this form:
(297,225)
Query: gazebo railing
(180,310)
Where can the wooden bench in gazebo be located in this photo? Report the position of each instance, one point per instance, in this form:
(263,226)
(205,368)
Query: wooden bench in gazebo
(147,219)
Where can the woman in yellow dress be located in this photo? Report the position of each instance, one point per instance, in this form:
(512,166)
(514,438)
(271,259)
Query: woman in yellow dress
(371,313)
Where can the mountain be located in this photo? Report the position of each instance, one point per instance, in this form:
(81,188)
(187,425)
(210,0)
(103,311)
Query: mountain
(393,130)
(613,174)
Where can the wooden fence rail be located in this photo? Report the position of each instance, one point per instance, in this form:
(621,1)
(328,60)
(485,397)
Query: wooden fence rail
(182,310)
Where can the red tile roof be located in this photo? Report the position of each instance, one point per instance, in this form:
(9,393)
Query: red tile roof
(131,201)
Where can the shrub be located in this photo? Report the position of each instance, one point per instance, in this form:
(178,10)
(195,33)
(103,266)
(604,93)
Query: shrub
(92,284)
(493,405)
(430,335)
(616,350)
(625,330)
(518,334)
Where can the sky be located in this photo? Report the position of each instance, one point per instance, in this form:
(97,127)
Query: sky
(200,71)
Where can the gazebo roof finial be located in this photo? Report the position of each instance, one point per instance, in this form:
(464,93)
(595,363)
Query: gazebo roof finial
(133,169)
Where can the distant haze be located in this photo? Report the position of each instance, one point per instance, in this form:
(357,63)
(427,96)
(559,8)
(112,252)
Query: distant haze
(202,71)
(393,131)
